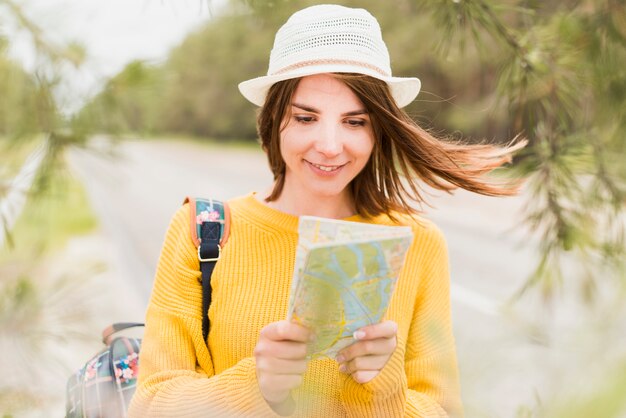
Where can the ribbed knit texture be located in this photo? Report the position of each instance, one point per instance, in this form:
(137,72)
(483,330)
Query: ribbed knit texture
(180,377)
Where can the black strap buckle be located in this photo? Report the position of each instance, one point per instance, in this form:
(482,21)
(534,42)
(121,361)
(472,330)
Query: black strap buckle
(209,259)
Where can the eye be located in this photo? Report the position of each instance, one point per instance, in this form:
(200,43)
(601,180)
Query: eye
(304,119)
(356,122)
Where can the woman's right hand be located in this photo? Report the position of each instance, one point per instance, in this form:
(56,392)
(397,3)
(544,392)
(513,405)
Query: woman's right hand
(280,355)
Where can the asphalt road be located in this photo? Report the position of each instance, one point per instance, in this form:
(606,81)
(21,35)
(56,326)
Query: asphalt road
(512,357)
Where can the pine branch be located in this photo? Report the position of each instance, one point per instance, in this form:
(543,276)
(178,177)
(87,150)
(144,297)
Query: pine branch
(544,82)
(72,53)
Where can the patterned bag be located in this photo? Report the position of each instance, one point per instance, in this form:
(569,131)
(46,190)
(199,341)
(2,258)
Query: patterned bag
(104,387)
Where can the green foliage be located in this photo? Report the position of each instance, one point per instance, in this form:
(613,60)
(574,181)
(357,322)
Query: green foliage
(29,106)
(20,114)
(210,63)
(562,78)
(129,102)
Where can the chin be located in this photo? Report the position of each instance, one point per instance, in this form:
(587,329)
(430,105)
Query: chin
(327,193)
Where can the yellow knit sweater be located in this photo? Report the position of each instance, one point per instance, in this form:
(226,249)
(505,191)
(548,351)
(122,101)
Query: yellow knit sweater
(180,377)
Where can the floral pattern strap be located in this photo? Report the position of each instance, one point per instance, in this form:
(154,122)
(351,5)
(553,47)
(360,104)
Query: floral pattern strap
(211,210)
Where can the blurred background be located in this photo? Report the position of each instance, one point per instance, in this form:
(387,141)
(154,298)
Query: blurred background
(112,112)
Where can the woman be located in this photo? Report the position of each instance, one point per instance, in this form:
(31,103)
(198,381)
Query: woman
(339,146)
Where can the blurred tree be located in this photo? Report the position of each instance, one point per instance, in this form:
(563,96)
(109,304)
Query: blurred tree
(19,91)
(30,103)
(129,102)
(211,63)
(192,93)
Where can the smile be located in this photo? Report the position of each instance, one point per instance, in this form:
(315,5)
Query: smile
(327,168)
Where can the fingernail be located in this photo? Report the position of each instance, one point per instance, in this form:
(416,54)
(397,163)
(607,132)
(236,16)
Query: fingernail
(342,368)
(358,335)
(340,358)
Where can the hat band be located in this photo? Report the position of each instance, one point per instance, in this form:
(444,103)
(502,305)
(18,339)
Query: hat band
(330,61)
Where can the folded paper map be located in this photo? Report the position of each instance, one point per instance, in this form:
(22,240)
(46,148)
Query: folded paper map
(344,276)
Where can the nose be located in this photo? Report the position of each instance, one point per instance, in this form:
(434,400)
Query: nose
(329,142)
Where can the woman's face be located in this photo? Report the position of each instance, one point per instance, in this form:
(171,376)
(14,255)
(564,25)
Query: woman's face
(327,140)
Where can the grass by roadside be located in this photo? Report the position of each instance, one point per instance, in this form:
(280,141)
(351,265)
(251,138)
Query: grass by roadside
(14,154)
(49,219)
(234,143)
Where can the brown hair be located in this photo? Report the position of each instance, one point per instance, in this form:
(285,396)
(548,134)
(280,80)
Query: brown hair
(402,149)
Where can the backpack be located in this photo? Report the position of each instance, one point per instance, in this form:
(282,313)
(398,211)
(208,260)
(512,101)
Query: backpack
(104,386)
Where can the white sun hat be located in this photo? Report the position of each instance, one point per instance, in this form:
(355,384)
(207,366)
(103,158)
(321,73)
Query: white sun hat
(330,39)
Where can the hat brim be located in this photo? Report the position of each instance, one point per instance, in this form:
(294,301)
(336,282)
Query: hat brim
(403,89)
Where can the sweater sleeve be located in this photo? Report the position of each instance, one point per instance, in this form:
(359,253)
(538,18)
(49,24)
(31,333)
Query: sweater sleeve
(421,378)
(176,375)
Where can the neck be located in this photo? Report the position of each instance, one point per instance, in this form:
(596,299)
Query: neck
(334,207)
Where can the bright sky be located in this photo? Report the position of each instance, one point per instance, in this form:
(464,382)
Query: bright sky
(113,31)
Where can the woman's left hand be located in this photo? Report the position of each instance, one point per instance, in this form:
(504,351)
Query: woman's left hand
(364,359)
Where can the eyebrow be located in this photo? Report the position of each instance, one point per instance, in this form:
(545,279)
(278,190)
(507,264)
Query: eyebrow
(307,108)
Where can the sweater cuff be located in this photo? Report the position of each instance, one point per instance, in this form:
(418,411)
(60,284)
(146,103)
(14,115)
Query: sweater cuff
(234,392)
(387,390)
(391,379)
(258,405)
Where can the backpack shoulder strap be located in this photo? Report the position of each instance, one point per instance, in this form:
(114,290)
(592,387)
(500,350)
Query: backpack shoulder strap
(207,210)
(210,226)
